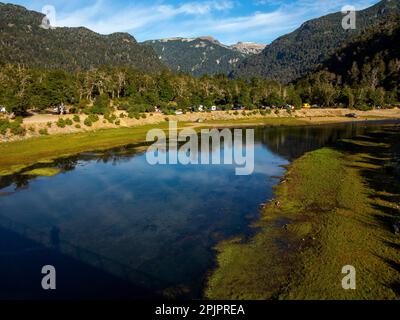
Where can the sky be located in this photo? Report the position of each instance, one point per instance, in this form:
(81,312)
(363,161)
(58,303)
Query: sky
(229,21)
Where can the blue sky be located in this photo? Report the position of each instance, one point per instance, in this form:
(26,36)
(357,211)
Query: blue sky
(229,21)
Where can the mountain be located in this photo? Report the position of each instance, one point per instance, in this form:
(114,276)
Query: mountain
(24,41)
(248,48)
(294,55)
(197,56)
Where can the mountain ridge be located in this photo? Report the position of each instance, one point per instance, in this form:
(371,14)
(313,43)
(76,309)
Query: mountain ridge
(201,55)
(24,41)
(294,55)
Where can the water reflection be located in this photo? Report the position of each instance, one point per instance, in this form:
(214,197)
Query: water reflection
(152,225)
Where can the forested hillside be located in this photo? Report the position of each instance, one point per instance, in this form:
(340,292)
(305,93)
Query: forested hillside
(300,52)
(372,59)
(23,41)
(365,72)
(197,56)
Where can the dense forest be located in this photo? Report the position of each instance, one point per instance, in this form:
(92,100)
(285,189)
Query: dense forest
(97,90)
(365,72)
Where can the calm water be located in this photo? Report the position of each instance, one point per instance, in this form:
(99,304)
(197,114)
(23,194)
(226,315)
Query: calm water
(114,226)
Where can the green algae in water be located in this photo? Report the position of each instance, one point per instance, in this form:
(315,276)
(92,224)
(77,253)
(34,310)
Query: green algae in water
(43,172)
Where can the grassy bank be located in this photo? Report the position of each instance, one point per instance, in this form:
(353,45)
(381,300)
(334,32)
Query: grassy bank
(18,155)
(334,208)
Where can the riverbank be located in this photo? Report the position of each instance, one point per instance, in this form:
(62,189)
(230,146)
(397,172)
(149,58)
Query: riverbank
(335,207)
(38,125)
(24,152)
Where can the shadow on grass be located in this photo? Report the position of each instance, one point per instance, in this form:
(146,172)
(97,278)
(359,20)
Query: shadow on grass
(379,164)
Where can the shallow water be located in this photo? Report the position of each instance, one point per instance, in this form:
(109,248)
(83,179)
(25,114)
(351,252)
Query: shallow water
(114,226)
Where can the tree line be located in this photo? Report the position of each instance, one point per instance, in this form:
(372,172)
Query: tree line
(99,91)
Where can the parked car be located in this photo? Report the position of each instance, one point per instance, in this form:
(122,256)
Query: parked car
(238,108)
(351,115)
(60,109)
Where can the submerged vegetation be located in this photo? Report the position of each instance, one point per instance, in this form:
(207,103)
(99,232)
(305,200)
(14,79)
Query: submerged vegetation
(43,172)
(336,207)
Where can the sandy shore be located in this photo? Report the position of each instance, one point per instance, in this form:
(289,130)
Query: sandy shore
(313,116)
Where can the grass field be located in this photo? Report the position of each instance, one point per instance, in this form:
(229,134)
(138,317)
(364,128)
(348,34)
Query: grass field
(336,207)
(20,154)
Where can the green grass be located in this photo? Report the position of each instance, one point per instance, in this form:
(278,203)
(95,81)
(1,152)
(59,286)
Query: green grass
(18,155)
(331,213)
(43,172)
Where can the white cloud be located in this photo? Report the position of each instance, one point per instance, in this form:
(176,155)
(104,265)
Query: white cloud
(213,17)
(132,17)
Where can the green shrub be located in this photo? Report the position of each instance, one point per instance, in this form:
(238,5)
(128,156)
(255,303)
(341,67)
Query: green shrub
(134,107)
(87,122)
(135,115)
(14,126)
(49,124)
(4,125)
(76,118)
(363,107)
(43,132)
(18,130)
(61,123)
(110,117)
(18,120)
(93,118)
(117,123)
(101,105)
(83,104)
(31,129)
(78,126)
(144,116)
(68,122)
(74,109)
